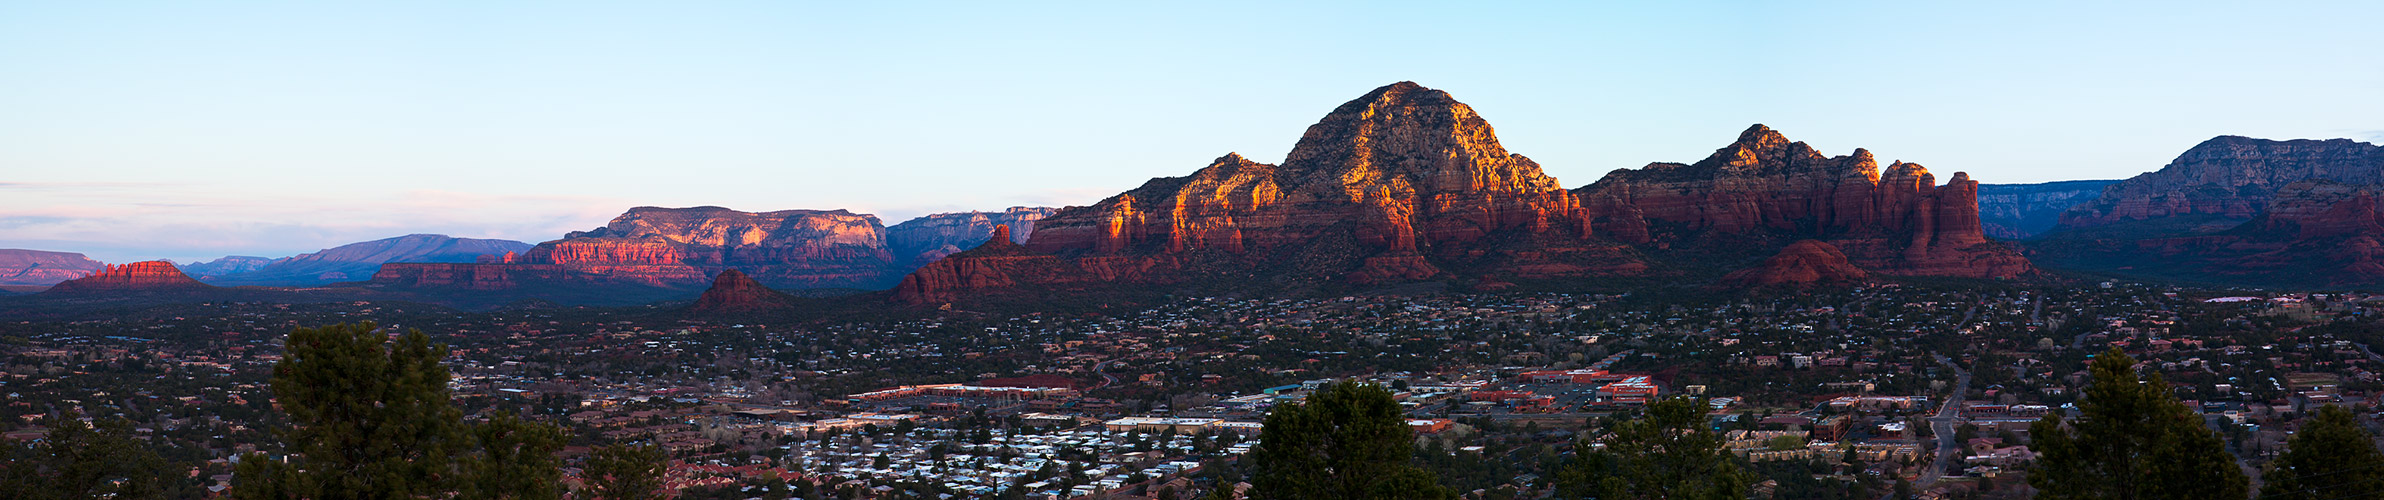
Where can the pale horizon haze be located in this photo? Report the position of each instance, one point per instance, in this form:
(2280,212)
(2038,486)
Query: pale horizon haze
(193,130)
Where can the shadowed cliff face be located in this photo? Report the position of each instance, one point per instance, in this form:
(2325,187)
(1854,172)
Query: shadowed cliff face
(1764,188)
(2229,177)
(733,292)
(358,261)
(2237,211)
(2022,211)
(1805,262)
(929,238)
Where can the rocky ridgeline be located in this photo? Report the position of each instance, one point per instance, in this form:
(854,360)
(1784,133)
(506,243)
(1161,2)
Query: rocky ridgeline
(1406,184)
(1896,221)
(37,267)
(2240,211)
(687,248)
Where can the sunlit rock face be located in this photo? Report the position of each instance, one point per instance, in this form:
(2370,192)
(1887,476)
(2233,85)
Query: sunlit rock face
(156,275)
(36,267)
(1764,188)
(1401,184)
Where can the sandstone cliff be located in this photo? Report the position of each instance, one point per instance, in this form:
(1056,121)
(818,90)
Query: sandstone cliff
(2237,211)
(2229,177)
(36,267)
(137,277)
(1764,191)
(1403,183)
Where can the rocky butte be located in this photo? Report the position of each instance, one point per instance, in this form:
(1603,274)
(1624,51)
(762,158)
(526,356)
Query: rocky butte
(1407,184)
(137,277)
(733,292)
(1765,191)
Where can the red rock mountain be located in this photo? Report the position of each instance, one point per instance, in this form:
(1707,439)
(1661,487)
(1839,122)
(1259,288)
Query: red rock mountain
(36,267)
(2238,211)
(151,276)
(1392,186)
(1802,263)
(1764,187)
(733,292)
(358,261)
(2229,177)
(1406,183)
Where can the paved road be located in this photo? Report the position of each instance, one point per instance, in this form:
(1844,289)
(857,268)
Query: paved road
(1943,425)
(1106,378)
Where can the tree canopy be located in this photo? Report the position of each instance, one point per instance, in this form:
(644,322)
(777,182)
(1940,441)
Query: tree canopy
(1667,453)
(1348,441)
(2132,440)
(2331,458)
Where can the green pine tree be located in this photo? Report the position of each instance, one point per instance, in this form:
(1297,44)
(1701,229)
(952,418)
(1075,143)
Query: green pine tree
(516,460)
(2132,440)
(624,472)
(1668,453)
(369,418)
(77,461)
(2331,458)
(1348,441)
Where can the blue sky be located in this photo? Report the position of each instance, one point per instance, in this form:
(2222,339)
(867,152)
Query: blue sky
(190,130)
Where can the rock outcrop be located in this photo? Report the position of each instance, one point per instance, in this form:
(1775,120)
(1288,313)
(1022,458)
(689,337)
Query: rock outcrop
(2022,211)
(359,261)
(2229,177)
(137,277)
(919,241)
(37,267)
(1403,183)
(733,292)
(1805,262)
(1765,190)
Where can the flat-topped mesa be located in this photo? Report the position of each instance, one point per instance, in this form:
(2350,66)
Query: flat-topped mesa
(156,275)
(2229,177)
(1895,220)
(37,267)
